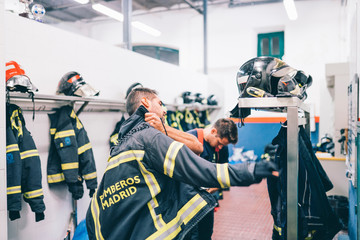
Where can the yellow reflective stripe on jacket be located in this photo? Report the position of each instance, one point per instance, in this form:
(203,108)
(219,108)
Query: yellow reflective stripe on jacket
(68,166)
(278,229)
(12,148)
(30,153)
(34,194)
(66,133)
(169,163)
(89,176)
(125,157)
(13,190)
(223,178)
(114,138)
(16,124)
(95,212)
(154,188)
(84,148)
(52,131)
(78,123)
(55,178)
(184,215)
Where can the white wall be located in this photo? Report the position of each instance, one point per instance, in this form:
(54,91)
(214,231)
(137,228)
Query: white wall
(47,53)
(311,41)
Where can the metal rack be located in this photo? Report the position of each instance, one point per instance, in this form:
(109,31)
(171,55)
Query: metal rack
(50,102)
(94,104)
(291,107)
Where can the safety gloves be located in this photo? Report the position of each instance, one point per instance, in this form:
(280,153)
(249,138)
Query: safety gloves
(265,169)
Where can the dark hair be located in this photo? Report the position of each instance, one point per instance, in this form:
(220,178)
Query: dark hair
(226,128)
(133,100)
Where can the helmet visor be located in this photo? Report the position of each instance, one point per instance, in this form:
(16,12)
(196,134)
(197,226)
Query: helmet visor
(241,79)
(21,83)
(86,90)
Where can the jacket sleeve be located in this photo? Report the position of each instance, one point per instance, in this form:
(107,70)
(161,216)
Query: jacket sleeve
(31,175)
(177,161)
(13,171)
(67,148)
(86,157)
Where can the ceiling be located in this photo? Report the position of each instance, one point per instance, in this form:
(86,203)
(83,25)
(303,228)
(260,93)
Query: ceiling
(71,11)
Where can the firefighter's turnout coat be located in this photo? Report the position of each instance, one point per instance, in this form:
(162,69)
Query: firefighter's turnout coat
(23,166)
(150,188)
(70,157)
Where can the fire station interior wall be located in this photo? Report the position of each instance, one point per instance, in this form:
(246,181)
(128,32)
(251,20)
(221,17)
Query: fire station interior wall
(46,53)
(353,22)
(3,208)
(313,40)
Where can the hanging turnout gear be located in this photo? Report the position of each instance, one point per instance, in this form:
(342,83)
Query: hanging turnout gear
(115,134)
(316,219)
(71,159)
(72,84)
(23,166)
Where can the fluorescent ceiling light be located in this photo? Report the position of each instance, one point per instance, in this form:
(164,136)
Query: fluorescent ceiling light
(108,11)
(82,1)
(290,9)
(145,28)
(118,16)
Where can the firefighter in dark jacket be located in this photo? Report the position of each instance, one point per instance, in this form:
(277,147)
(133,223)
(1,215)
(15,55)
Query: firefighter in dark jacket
(23,167)
(151,186)
(71,159)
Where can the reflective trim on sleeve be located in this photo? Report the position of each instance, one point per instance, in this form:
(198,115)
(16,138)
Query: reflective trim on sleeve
(184,215)
(30,153)
(13,190)
(169,163)
(95,212)
(34,194)
(223,178)
(66,133)
(55,178)
(278,229)
(89,176)
(84,148)
(12,148)
(52,131)
(114,139)
(68,166)
(154,189)
(125,157)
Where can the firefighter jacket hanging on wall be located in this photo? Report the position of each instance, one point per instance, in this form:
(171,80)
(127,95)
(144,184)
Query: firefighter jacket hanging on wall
(71,159)
(316,219)
(145,192)
(23,166)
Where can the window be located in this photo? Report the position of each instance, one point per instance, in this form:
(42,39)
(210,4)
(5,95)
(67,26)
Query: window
(165,54)
(271,44)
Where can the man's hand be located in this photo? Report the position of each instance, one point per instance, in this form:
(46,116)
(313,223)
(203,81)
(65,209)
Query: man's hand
(265,169)
(212,190)
(154,121)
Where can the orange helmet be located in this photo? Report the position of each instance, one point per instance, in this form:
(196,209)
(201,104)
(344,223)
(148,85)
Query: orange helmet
(16,80)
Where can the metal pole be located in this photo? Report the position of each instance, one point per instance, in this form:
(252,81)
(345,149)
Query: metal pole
(292,172)
(127,11)
(3,195)
(205,36)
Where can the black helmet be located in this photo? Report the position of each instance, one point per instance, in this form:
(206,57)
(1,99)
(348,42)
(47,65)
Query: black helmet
(269,77)
(211,100)
(199,98)
(188,97)
(72,84)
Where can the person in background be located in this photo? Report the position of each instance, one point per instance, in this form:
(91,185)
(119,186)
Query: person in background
(215,140)
(151,188)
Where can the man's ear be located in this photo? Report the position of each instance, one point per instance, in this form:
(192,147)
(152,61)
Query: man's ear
(213,131)
(144,101)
